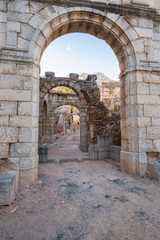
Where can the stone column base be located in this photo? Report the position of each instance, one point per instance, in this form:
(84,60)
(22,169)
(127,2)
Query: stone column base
(134,163)
(28,170)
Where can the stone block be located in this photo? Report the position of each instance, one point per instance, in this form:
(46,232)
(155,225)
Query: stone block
(26,31)
(19,6)
(8,187)
(74,76)
(15,95)
(3,5)
(144,32)
(143,145)
(105,140)
(154,170)
(28,109)
(147,99)
(103,148)
(8,68)
(92,152)
(41,40)
(3,39)
(49,74)
(156,121)
(154,89)
(19,16)
(28,135)
(3,27)
(4,120)
(35,96)
(36,21)
(11,38)
(23,121)
(153,132)
(28,70)
(29,163)
(144,122)
(139,88)
(133,163)
(116,149)
(14,163)
(47,30)
(91,77)
(84,147)
(23,150)
(37,52)
(8,134)
(96,147)
(156,145)
(115,156)
(30,83)
(152,110)
(104,155)
(134,111)
(13,26)
(139,45)
(150,77)
(4,150)
(115,153)
(23,43)
(3,16)
(11,81)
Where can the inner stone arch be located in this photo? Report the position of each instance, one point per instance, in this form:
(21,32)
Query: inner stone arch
(56,99)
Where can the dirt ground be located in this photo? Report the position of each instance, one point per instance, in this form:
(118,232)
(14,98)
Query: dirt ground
(90,200)
(66,146)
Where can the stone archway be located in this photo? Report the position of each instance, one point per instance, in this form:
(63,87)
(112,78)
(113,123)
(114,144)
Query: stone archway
(86,98)
(54,101)
(133,35)
(120,35)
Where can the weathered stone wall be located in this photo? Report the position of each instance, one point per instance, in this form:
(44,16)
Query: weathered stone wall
(113,128)
(111,96)
(130,28)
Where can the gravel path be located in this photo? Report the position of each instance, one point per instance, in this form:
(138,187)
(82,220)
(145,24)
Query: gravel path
(66,146)
(91,200)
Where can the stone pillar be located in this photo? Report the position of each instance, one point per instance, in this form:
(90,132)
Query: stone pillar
(19,111)
(48,137)
(140,120)
(83,130)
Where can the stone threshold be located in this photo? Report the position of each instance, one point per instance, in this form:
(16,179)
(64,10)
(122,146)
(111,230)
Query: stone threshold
(8,187)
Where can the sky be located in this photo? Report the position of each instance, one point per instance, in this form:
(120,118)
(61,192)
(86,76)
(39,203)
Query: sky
(79,53)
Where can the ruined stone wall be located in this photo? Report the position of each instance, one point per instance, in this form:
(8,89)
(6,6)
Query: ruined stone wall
(113,128)
(111,96)
(93,113)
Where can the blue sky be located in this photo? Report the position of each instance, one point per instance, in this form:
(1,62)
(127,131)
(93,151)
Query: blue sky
(77,53)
